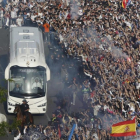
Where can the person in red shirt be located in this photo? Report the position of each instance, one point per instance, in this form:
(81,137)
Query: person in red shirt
(47,29)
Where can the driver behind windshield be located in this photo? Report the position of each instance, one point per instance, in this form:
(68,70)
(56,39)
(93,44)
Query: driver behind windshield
(17,88)
(36,84)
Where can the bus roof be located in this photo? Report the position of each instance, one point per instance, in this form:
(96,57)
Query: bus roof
(26,46)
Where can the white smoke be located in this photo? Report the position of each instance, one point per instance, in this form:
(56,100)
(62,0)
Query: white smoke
(136,139)
(74,10)
(118,53)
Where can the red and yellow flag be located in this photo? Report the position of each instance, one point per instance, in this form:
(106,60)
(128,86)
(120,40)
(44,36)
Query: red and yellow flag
(126,128)
(124,3)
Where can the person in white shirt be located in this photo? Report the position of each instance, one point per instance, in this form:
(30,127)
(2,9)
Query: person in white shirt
(19,21)
(7,8)
(16,8)
(33,16)
(36,84)
(40,14)
(31,5)
(13,15)
(13,25)
(25,129)
(138,84)
(96,109)
(1,17)
(17,135)
(15,1)
(80,12)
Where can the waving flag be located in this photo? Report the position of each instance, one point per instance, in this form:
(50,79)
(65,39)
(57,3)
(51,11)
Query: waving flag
(59,132)
(129,2)
(128,24)
(126,128)
(124,3)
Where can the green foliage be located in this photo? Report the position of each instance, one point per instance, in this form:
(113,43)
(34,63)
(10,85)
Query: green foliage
(3,94)
(15,124)
(10,80)
(5,127)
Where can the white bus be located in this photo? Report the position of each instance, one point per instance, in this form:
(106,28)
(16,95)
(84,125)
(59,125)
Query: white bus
(27,71)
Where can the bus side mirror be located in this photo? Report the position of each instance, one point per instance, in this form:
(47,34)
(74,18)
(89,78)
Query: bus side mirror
(48,73)
(7,73)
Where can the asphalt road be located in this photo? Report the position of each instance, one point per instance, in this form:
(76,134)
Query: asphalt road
(54,87)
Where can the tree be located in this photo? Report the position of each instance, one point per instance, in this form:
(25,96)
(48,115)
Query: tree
(3,94)
(5,127)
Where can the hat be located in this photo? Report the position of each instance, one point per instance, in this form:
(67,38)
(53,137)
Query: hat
(24,100)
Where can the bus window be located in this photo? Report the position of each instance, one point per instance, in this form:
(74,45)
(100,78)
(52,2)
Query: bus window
(31,81)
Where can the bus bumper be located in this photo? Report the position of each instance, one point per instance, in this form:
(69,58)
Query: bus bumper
(34,109)
(39,110)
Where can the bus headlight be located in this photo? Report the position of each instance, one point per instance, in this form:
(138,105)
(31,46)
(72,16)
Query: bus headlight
(42,105)
(10,104)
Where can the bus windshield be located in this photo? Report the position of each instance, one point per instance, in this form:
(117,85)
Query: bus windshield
(27,81)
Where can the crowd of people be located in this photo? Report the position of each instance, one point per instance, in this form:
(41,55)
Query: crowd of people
(94,45)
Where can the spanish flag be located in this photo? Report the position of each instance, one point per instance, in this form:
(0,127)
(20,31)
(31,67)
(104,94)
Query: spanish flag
(124,3)
(126,128)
